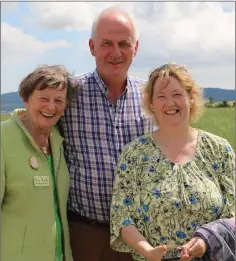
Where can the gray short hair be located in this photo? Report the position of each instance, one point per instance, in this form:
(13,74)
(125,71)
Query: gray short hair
(52,76)
(118,9)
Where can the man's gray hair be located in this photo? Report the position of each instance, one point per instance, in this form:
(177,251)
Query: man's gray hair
(119,10)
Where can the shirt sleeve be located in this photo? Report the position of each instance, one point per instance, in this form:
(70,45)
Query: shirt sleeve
(125,205)
(227,181)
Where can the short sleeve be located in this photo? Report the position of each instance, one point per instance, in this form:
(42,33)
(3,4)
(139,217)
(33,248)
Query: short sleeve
(227,181)
(125,204)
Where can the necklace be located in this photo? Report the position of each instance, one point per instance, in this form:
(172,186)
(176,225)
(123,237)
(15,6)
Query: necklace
(44,149)
(31,130)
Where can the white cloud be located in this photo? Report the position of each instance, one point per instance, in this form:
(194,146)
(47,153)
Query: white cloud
(83,48)
(194,32)
(8,7)
(18,46)
(63,15)
(198,34)
(219,76)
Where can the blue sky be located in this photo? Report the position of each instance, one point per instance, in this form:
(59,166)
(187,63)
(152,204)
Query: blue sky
(200,35)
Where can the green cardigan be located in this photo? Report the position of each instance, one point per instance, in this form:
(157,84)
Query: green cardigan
(28,231)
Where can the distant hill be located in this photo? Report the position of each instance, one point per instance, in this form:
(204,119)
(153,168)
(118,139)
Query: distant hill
(11,101)
(219,94)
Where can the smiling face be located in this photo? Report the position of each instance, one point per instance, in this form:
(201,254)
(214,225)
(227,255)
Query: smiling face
(44,107)
(170,103)
(113,46)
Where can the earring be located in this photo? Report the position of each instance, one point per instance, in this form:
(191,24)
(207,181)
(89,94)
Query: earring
(191,103)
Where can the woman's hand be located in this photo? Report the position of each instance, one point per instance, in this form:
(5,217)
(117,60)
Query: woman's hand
(196,247)
(132,237)
(156,253)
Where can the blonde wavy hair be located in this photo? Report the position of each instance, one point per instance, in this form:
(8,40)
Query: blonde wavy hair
(180,73)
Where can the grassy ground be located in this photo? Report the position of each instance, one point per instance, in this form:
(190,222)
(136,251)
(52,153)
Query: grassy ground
(4,117)
(220,121)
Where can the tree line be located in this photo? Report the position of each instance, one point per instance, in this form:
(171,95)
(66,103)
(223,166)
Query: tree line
(211,103)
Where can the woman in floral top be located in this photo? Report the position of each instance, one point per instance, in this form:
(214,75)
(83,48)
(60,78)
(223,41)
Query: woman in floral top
(173,180)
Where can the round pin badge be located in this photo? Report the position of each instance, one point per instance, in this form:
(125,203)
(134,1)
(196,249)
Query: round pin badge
(33,162)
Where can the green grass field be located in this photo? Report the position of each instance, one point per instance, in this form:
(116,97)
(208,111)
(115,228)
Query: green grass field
(220,121)
(4,117)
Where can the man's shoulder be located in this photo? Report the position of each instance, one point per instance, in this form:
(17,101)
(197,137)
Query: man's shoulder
(137,81)
(83,78)
(135,85)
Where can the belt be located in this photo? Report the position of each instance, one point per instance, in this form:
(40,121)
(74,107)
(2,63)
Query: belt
(73,216)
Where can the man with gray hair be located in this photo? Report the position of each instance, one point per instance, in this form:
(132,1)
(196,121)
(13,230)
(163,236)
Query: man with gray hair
(103,118)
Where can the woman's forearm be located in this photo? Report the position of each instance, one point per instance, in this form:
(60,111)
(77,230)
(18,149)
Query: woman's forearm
(132,237)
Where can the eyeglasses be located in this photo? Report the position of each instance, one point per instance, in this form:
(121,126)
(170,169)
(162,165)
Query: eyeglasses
(167,66)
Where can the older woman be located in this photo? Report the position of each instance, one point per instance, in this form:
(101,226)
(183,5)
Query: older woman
(173,180)
(34,176)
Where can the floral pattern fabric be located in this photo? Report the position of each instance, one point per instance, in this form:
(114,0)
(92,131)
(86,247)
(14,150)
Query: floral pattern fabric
(166,201)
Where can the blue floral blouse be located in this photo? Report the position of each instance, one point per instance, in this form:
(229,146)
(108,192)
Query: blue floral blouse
(167,201)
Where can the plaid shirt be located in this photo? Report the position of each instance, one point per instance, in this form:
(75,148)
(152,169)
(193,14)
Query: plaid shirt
(95,131)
